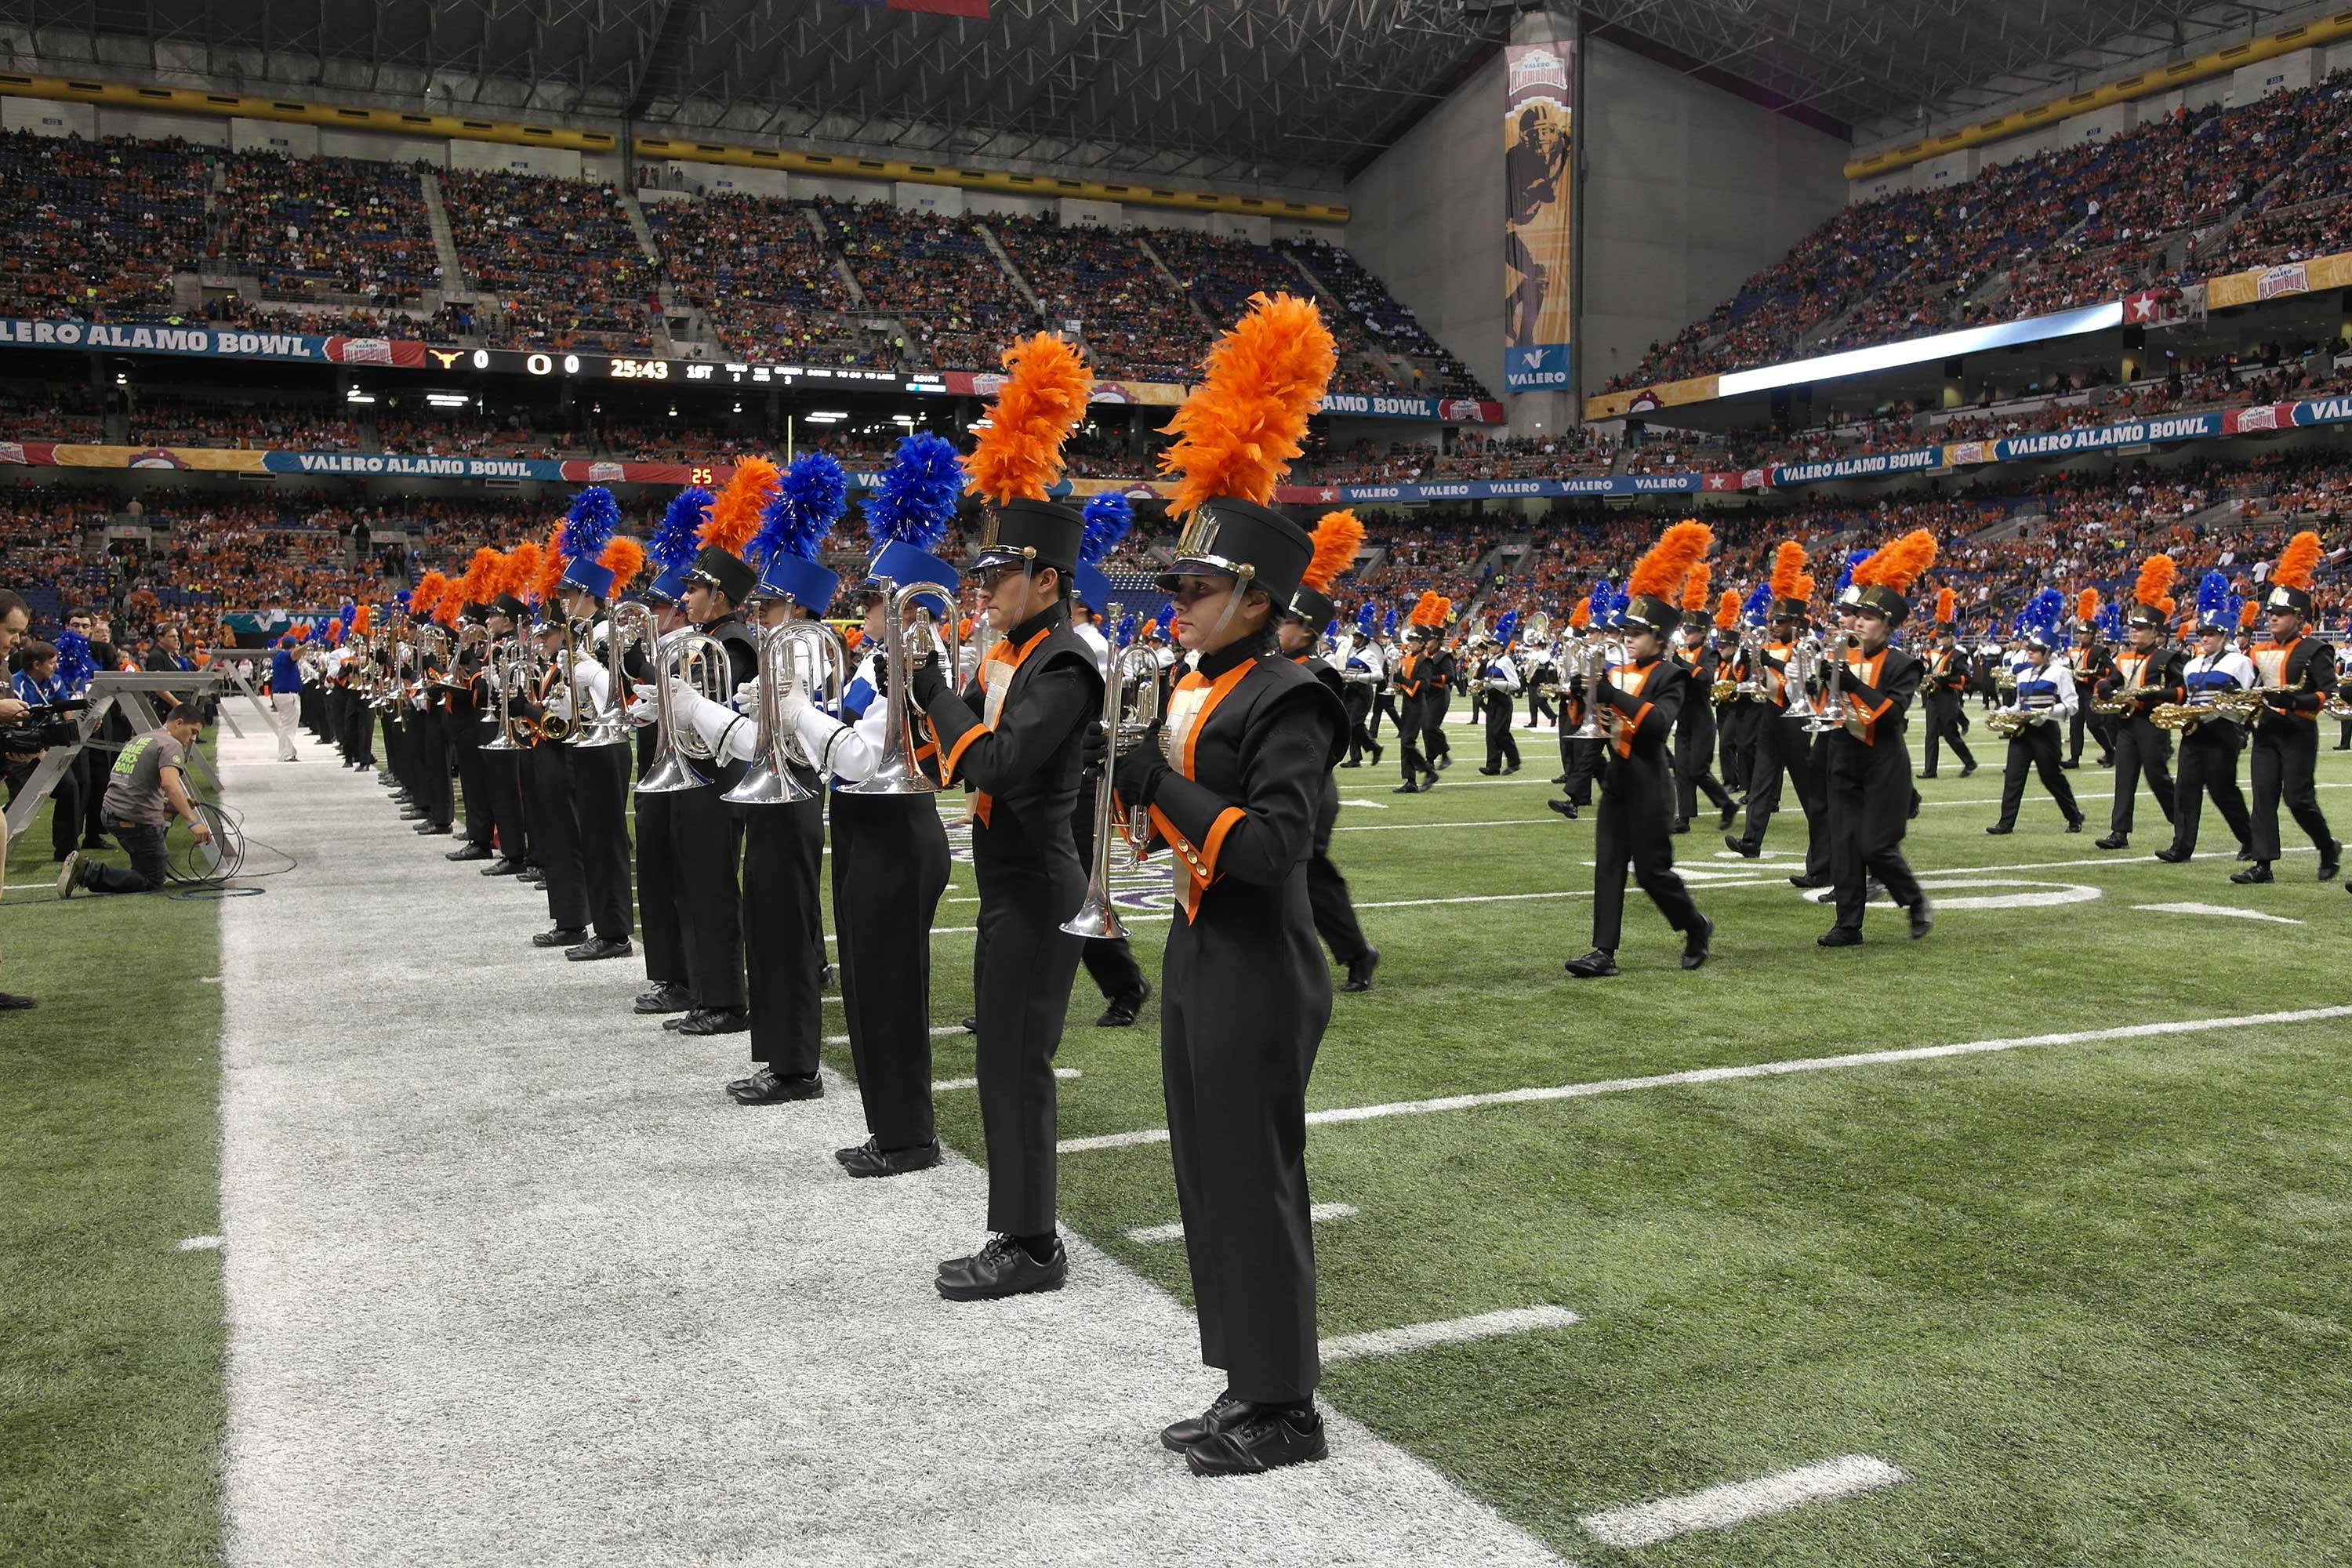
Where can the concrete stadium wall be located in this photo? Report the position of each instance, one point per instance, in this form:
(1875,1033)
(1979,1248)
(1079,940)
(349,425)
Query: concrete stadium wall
(497,158)
(43,117)
(1687,191)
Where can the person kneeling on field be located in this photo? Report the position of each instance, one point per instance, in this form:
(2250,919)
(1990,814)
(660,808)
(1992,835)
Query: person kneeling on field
(147,790)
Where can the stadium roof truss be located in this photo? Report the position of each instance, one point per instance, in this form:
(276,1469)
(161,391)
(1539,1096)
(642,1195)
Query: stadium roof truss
(1289,95)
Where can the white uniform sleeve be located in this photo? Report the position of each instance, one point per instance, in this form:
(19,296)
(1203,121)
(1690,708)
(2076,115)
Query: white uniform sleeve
(844,751)
(728,735)
(2068,701)
(592,682)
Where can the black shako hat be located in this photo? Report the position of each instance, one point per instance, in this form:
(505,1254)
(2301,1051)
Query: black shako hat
(1254,544)
(1316,609)
(725,570)
(1646,613)
(1878,598)
(1029,533)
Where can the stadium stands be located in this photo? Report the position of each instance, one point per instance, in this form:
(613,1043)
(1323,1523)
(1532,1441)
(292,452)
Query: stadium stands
(559,254)
(1135,326)
(768,291)
(308,226)
(97,229)
(936,275)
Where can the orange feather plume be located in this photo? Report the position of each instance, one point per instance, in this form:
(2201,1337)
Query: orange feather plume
(1018,456)
(734,516)
(2296,562)
(1944,604)
(522,569)
(2167,604)
(624,558)
(426,597)
(1240,428)
(1695,588)
(1660,574)
(2086,604)
(1581,615)
(362,620)
(477,586)
(1726,610)
(551,566)
(1337,537)
(1425,611)
(2156,575)
(1788,565)
(2247,612)
(1804,586)
(1899,564)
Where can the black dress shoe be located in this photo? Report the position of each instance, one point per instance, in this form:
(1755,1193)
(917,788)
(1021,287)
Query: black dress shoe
(597,947)
(1447,761)
(468,852)
(827,976)
(2245,851)
(669,996)
(1560,778)
(561,936)
(1003,1267)
(870,1159)
(2070,764)
(1408,787)
(1509,771)
(2170,855)
(1809,881)
(1351,762)
(10,1002)
(1179,1436)
(1259,1439)
(971,1026)
(714,1020)
(1840,936)
(434,829)
(1741,847)
(1730,812)
(1491,772)
(1120,1014)
(1598,965)
(2075,825)
(1680,824)
(2260,872)
(1566,808)
(1378,752)
(2112,841)
(2000,830)
(1359,970)
(2102,762)
(768,1087)
(1925,776)
(1696,941)
(412,816)
(2331,861)
(1967,771)
(1923,918)
(501,867)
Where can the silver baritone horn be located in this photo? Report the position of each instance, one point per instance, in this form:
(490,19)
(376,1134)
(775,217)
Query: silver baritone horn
(1125,721)
(796,653)
(898,773)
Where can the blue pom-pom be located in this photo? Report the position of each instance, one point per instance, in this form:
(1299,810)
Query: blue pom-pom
(674,541)
(591,524)
(1108,516)
(1854,558)
(75,666)
(915,498)
(809,499)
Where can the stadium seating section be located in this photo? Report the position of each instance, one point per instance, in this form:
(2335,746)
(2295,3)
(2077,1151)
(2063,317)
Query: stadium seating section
(98,229)
(559,254)
(311,226)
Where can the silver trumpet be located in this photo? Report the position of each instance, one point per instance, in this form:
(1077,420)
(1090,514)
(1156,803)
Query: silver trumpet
(898,773)
(1124,722)
(631,622)
(504,658)
(698,660)
(794,653)
(1596,670)
(1833,714)
(1804,660)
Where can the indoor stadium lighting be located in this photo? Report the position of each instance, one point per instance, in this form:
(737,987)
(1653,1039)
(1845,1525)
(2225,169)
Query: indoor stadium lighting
(448,399)
(833,417)
(361,397)
(1923,350)
(902,419)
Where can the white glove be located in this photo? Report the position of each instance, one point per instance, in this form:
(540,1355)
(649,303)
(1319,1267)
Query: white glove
(559,707)
(642,710)
(793,706)
(747,696)
(726,733)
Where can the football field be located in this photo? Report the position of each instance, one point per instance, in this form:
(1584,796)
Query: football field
(2020,1245)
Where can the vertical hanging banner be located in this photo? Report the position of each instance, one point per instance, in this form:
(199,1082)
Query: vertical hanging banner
(1539,228)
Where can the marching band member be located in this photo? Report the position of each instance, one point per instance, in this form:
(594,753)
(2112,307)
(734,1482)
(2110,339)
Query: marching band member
(1579,759)
(547,779)
(1498,689)
(2210,743)
(2147,671)
(1869,765)
(594,564)
(1392,651)
(671,550)
(1109,961)
(2297,671)
(1337,537)
(1418,675)
(1543,686)
(2088,664)
(1736,720)
(1014,734)
(1945,682)
(428,790)
(502,770)
(476,589)
(2044,698)
(1693,746)
(1441,669)
(1642,696)
(1363,673)
(1783,746)
(1233,784)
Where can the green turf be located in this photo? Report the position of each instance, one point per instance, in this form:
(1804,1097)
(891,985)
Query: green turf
(111,1342)
(2088,1296)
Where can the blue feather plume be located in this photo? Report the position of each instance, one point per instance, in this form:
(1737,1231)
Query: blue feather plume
(2041,615)
(1331,629)
(915,498)
(1759,607)
(1598,605)
(2214,599)
(591,524)
(76,668)
(1127,629)
(808,501)
(347,614)
(1367,616)
(1508,627)
(1389,628)
(674,544)
(1108,516)
(1854,558)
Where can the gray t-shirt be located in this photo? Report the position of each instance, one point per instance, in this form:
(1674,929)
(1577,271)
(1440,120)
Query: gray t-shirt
(135,792)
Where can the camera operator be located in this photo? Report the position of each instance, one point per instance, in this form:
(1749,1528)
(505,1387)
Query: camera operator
(148,790)
(14,618)
(38,685)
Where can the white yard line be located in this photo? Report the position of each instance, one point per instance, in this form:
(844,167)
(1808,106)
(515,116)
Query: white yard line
(1318,1214)
(1448,1331)
(1737,1502)
(514,1284)
(2224,909)
(1753,1070)
(944,1085)
(198,1243)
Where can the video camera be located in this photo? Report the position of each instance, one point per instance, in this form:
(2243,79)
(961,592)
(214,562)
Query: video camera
(47,724)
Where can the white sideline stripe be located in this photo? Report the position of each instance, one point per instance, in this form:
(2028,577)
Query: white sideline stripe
(1447,1331)
(1153,1234)
(1737,1502)
(936,1030)
(198,1243)
(943,1085)
(2216,909)
(1752,1069)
